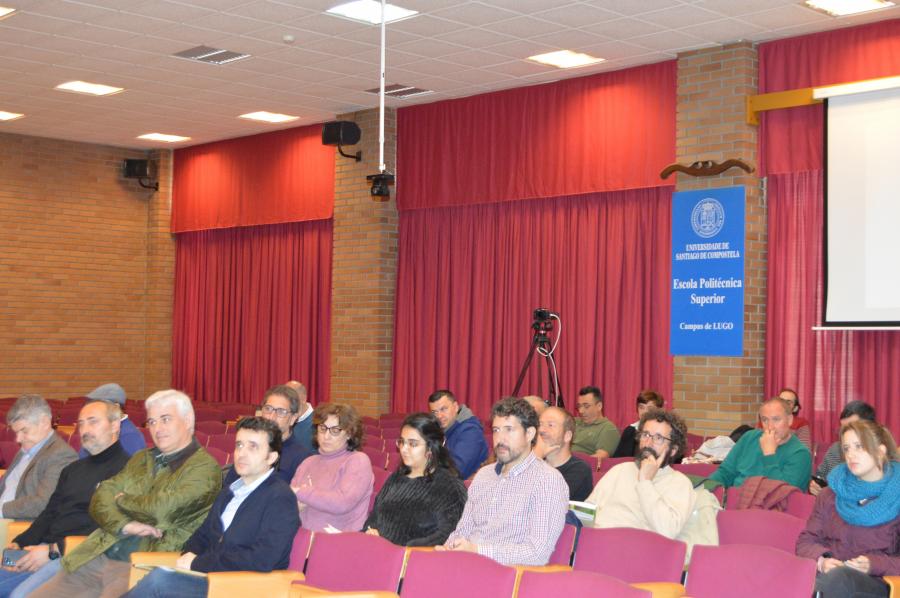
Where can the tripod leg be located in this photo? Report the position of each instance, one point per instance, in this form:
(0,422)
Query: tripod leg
(535,341)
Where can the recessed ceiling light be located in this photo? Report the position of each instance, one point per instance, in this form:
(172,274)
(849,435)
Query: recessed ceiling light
(94,89)
(840,8)
(5,12)
(10,115)
(163,137)
(566,59)
(269,117)
(369,12)
(398,90)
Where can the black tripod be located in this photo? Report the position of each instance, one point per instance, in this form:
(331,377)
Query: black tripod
(540,344)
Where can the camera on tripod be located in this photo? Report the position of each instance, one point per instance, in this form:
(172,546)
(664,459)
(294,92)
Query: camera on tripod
(543,319)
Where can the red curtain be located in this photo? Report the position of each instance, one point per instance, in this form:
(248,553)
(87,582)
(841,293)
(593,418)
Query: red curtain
(283,176)
(469,277)
(791,140)
(827,368)
(252,309)
(604,132)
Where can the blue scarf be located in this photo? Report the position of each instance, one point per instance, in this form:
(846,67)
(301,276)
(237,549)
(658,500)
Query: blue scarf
(880,500)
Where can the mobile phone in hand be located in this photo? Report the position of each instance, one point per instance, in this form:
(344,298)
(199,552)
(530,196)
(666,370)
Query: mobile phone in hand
(11,556)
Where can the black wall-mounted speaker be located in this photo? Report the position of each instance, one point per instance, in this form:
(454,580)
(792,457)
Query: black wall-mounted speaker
(340,132)
(138,169)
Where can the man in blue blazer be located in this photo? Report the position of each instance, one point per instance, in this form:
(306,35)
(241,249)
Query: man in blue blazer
(250,526)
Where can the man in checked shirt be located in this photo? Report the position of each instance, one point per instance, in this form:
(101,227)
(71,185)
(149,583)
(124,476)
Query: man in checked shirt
(517,506)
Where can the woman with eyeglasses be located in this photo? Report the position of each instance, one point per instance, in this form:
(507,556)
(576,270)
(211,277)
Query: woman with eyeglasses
(334,486)
(854,531)
(421,503)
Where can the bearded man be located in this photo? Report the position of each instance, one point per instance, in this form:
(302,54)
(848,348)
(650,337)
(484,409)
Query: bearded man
(647,493)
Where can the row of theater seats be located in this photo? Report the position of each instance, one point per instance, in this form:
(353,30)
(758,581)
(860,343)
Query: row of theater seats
(612,562)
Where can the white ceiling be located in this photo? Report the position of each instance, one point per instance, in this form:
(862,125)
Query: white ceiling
(454,47)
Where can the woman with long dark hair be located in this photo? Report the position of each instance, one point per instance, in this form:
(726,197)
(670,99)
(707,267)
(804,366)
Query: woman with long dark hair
(421,503)
(854,531)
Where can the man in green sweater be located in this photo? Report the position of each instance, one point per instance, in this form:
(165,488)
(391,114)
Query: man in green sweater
(594,434)
(773,451)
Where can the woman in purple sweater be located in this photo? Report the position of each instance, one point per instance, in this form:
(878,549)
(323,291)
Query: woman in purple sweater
(334,486)
(854,531)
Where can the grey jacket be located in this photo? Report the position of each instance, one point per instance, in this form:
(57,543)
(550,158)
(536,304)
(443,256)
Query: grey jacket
(38,480)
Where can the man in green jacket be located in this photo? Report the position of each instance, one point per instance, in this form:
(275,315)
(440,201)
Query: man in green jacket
(154,504)
(773,452)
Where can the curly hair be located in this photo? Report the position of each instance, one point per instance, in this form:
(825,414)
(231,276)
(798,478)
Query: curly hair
(678,433)
(348,420)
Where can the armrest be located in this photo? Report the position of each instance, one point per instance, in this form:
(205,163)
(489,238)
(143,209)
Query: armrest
(520,569)
(893,582)
(166,559)
(14,528)
(303,591)
(73,542)
(662,589)
(275,584)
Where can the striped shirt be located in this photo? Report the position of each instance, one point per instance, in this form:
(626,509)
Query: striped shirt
(515,518)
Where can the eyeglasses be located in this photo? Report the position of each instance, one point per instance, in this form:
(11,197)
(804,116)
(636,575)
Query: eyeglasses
(279,412)
(333,430)
(654,438)
(412,443)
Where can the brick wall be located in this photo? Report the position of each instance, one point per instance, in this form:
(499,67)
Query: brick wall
(718,394)
(364,274)
(85,270)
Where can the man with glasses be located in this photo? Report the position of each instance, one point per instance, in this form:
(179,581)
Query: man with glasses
(281,405)
(647,493)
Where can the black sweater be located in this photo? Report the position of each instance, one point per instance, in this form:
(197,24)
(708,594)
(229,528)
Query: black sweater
(66,513)
(418,511)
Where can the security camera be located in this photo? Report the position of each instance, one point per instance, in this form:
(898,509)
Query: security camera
(381,185)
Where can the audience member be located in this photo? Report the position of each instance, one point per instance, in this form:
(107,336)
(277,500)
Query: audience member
(250,527)
(799,425)
(421,503)
(130,437)
(852,411)
(154,504)
(334,486)
(854,531)
(594,434)
(555,431)
(281,405)
(303,428)
(646,400)
(647,493)
(66,513)
(537,402)
(31,478)
(463,431)
(773,452)
(517,506)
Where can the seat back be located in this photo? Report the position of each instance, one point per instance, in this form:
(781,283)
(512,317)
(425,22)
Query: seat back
(565,545)
(611,462)
(535,584)
(223,442)
(221,457)
(432,574)
(747,571)
(801,505)
(210,427)
(760,528)
(379,562)
(591,460)
(617,552)
(300,550)
(704,470)
(381,476)
(377,457)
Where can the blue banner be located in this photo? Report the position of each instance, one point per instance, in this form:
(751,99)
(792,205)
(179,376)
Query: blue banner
(707,313)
